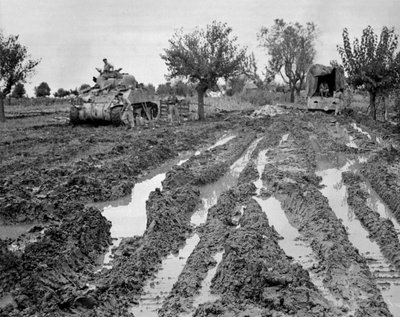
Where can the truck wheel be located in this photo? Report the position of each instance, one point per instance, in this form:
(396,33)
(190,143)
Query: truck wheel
(115,115)
(74,115)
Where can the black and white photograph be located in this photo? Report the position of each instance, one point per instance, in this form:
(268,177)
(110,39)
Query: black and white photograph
(197,158)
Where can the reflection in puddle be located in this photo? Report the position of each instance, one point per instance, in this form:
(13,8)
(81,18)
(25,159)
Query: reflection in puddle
(157,289)
(261,161)
(376,204)
(209,193)
(130,219)
(336,193)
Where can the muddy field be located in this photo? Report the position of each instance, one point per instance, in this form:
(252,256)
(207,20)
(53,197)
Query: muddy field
(279,213)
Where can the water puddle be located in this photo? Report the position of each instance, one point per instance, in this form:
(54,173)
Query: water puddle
(209,193)
(236,218)
(284,139)
(291,242)
(344,134)
(355,127)
(222,141)
(205,291)
(376,204)
(294,246)
(336,193)
(157,289)
(14,231)
(6,300)
(129,218)
(261,161)
(128,214)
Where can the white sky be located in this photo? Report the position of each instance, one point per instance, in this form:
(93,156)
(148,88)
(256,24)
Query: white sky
(72,37)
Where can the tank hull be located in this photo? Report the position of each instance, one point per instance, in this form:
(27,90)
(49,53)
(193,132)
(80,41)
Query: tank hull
(104,107)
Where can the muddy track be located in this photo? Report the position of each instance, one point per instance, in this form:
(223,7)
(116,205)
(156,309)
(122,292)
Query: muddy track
(381,230)
(346,273)
(26,193)
(168,219)
(384,174)
(240,263)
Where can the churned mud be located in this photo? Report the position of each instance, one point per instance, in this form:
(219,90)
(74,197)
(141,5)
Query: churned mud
(245,214)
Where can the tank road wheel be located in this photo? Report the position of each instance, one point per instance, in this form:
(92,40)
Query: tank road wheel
(115,115)
(74,115)
(153,110)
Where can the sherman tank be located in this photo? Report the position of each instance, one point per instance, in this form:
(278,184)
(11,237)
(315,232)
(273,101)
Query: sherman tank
(101,104)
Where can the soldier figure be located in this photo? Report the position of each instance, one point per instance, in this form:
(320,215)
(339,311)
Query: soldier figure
(173,110)
(127,110)
(324,89)
(107,68)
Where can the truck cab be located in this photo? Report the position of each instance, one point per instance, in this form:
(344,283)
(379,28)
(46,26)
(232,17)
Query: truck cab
(324,88)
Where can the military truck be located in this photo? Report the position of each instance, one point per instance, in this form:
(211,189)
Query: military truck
(100,103)
(333,77)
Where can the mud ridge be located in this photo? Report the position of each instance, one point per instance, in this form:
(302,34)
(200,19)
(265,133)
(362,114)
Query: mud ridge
(168,224)
(31,190)
(255,274)
(381,230)
(296,186)
(47,268)
(383,172)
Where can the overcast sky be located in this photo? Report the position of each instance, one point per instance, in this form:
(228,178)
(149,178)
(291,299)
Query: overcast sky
(72,37)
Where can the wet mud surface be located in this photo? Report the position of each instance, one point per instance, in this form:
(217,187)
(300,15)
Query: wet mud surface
(271,241)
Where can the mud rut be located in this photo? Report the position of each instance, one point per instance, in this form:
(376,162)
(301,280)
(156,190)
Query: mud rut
(273,242)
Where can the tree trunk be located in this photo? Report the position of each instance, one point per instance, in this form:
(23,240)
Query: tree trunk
(385,112)
(372,99)
(200,100)
(292,94)
(201,90)
(2,115)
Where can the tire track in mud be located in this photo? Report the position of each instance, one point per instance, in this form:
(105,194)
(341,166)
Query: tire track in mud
(217,230)
(168,223)
(48,267)
(254,275)
(295,184)
(73,235)
(381,230)
(383,172)
(27,192)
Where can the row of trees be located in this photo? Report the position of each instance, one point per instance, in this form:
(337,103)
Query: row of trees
(205,56)
(43,90)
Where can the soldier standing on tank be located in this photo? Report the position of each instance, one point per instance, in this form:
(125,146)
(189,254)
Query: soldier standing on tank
(108,69)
